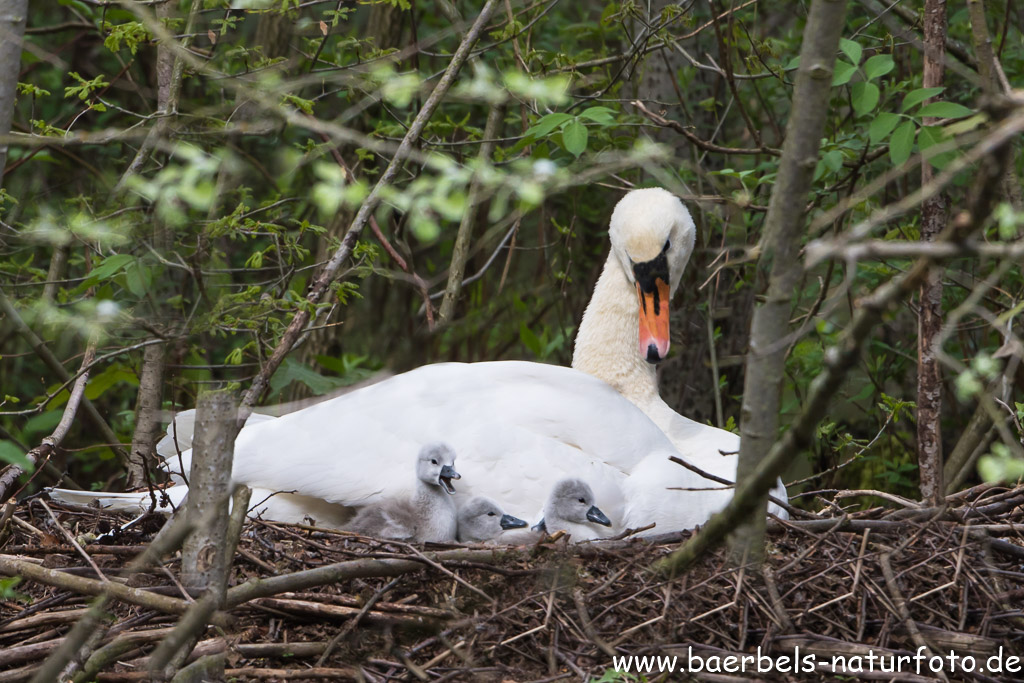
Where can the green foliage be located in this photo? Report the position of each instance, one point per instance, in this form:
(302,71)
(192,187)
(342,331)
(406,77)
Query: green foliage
(999,466)
(213,236)
(7,592)
(130,34)
(9,453)
(85,89)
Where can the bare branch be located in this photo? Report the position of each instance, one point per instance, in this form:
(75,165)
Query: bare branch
(327,275)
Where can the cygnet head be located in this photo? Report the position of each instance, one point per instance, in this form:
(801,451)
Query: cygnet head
(436,466)
(572,501)
(480,519)
(652,235)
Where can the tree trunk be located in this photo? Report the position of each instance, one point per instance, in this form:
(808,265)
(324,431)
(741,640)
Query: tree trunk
(934,214)
(990,84)
(147,415)
(209,488)
(779,262)
(13,14)
(460,252)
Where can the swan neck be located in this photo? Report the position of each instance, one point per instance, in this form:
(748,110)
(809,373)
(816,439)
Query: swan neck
(608,338)
(437,509)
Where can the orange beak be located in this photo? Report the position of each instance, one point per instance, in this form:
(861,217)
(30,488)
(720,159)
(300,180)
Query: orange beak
(654,321)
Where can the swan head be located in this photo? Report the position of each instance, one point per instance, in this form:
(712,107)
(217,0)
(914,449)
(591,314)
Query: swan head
(481,519)
(652,236)
(436,466)
(572,500)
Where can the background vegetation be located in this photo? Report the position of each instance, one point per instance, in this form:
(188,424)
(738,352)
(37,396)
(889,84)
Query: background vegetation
(172,202)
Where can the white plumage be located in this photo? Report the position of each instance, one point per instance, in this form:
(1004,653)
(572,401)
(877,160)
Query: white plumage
(518,427)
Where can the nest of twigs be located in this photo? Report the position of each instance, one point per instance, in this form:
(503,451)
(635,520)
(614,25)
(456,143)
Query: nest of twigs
(341,607)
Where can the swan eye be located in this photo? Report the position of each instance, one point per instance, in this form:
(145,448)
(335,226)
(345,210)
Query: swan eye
(668,243)
(433,461)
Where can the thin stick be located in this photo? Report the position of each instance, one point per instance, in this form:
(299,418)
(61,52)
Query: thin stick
(330,270)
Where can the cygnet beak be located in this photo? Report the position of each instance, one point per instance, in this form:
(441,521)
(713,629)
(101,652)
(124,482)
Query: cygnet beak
(510,522)
(445,478)
(597,517)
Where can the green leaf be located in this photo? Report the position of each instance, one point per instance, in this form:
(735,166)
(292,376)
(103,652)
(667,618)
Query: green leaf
(574,136)
(945,110)
(546,124)
(833,160)
(865,97)
(929,137)
(12,454)
(43,423)
(843,73)
(851,50)
(135,280)
(110,266)
(916,97)
(882,126)
(902,142)
(294,371)
(115,374)
(878,65)
(965,125)
(530,340)
(603,115)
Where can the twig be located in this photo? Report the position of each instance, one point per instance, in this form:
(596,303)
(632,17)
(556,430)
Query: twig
(330,270)
(171,536)
(51,361)
(354,622)
(175,648)
(10,475)
(460,251)
(421,285)
(12,566)
(71,539)
(901,607)
(588,627)
(701,144)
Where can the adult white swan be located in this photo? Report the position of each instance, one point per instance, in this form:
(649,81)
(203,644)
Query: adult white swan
(625,333)
(519,427)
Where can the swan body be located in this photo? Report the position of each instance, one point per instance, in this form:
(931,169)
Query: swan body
(429,516)
(519,427)
(481,520)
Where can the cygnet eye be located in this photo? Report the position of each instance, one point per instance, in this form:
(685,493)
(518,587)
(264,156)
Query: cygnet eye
(433,461)
(582,501)
(490,514)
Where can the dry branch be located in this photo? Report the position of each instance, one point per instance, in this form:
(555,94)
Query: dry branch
(203,562)
(460,250)
(369,205)
(43,351)
(13,566)
(42,452)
